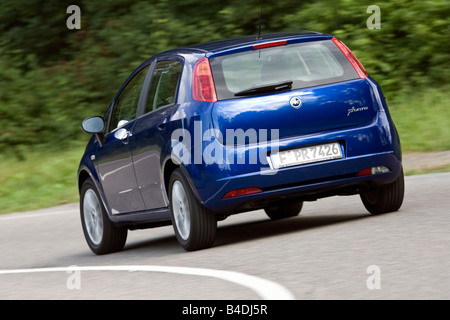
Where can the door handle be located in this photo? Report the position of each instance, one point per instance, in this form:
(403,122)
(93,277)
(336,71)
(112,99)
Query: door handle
(122,134)
(162,124)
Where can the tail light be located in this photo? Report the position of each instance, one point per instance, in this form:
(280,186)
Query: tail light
(373,170)
(203,82)
(241,192)
(351,58)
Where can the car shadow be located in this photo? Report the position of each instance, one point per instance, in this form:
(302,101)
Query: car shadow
(268,228)
(239,232)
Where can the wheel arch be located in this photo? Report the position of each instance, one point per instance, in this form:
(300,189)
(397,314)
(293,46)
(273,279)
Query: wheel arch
(83,175)
(169,167)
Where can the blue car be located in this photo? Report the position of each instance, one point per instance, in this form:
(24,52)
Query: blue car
(203,132)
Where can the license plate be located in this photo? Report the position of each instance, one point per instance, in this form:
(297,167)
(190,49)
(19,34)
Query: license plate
(311,154)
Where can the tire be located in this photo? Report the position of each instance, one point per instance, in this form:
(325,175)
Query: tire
(101,235)
(285,210)
(387,198)
(195,227)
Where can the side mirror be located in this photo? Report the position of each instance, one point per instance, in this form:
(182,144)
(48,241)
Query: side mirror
(94,125)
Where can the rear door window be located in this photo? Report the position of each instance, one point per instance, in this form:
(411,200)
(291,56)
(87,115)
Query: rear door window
(164,84)
(305,64)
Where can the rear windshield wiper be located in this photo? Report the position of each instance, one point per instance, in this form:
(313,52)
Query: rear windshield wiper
(285,85)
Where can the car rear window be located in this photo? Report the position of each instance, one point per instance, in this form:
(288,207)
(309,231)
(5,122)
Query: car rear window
(305,64)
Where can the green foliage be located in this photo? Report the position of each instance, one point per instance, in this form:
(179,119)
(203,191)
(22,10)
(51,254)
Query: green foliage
(410,49)
(52,77)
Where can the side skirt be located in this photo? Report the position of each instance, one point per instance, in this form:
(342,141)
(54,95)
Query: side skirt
(143,219)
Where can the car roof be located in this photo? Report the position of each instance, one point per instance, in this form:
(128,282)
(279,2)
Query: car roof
(229,44)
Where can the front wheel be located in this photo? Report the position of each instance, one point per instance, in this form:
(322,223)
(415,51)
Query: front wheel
(101,235)
(384,199)
(195,227)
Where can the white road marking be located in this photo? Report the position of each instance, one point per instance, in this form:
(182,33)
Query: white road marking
(266,289)
(16,216)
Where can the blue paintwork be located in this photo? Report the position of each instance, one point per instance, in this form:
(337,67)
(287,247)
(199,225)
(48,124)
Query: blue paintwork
(131,178)
(323,108)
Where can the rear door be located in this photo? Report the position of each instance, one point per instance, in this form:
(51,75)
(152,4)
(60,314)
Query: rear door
(152,131)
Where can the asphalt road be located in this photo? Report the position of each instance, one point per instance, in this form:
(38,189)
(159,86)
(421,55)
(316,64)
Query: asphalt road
(333,250)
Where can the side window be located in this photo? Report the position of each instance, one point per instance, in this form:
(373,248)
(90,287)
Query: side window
(164,85)
(126,104)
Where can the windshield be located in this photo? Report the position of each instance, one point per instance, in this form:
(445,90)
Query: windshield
(305,64)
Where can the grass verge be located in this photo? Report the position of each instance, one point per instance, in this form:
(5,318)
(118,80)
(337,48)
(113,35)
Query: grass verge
(422,119)
(43,179)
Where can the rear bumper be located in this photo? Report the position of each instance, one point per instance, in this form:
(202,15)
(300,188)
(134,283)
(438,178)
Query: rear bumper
(307,183)
(375,144)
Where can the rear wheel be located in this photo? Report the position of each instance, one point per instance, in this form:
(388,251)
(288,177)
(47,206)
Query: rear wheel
(195,227)
(285,210)
(384,199)
(101,235)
